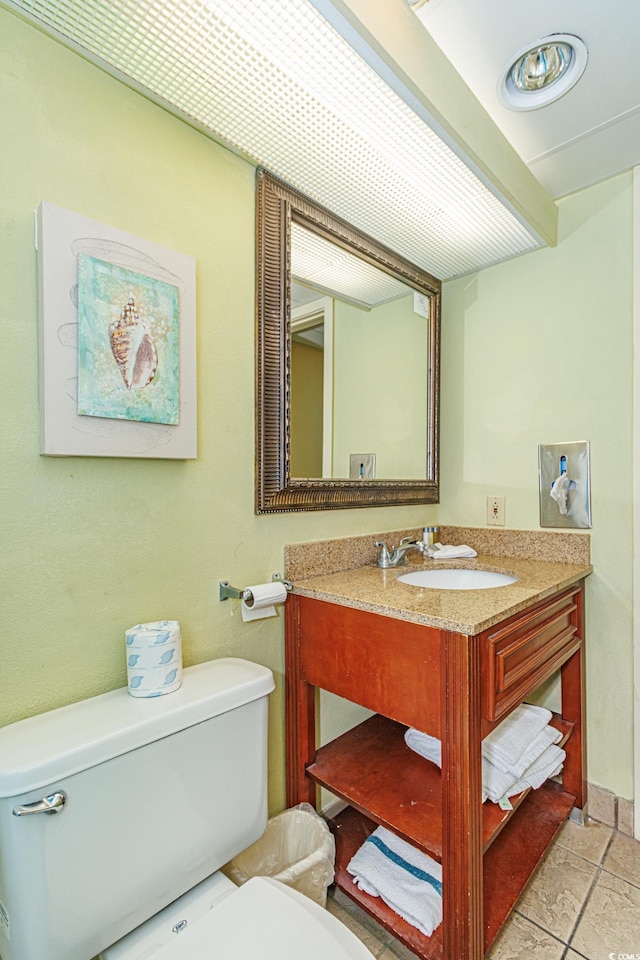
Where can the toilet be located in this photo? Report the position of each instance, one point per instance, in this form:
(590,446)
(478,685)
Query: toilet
(116,815)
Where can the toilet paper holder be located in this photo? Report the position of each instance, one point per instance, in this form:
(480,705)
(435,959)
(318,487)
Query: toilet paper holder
(227,592)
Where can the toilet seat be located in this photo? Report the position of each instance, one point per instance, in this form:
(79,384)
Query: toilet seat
(265,919)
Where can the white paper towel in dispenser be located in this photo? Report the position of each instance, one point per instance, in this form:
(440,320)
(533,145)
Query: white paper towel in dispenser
(154,658)
(260,600)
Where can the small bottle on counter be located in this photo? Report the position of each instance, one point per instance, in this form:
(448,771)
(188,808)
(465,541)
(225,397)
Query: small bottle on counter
(431,535)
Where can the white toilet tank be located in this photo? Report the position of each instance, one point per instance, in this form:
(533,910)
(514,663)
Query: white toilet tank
(158,793)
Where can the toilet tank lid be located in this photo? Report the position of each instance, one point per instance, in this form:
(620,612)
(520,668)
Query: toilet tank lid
(46,748)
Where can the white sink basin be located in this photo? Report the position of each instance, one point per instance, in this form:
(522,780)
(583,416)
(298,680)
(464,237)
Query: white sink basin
(456,579)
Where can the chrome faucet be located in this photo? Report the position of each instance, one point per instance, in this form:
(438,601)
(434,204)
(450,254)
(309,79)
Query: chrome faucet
(397,557)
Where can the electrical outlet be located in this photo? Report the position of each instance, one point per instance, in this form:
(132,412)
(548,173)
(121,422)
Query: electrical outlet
(495,511)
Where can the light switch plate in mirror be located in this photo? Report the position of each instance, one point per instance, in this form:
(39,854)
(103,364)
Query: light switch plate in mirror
(572,460)
(362,466)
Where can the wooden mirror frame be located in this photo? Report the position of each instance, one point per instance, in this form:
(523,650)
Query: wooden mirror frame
(276,491)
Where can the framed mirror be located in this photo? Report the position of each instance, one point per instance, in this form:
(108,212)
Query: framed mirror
(347,363)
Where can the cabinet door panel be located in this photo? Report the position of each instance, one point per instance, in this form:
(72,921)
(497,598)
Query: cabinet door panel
(387,665)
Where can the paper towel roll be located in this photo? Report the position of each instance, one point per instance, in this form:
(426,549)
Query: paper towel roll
(154,658)
(261,600)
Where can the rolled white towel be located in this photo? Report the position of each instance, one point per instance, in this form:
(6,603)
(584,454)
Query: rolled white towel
(409,881)
(505,745)
(428,747)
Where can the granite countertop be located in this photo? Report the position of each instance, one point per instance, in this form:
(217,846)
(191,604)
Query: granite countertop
(463,611)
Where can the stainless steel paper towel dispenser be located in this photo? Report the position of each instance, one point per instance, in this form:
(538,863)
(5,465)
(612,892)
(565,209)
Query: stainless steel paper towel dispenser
(565,484)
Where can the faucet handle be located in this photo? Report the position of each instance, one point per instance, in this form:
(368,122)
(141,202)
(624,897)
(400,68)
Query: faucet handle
(384,559)
(418,544)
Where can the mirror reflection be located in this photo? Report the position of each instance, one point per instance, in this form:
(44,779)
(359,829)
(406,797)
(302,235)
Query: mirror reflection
(359,367)
(347,363)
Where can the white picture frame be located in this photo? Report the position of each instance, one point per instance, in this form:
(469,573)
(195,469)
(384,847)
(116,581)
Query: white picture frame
(61,236)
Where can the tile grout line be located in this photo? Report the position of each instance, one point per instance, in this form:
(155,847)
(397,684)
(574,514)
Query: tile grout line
(632,883)
(554,936)
(566,953)
(592,886)
(598,866)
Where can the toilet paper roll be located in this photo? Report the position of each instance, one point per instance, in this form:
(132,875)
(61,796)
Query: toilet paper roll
(154,658)
(260,600)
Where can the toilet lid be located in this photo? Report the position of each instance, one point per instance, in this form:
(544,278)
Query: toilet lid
(269,920)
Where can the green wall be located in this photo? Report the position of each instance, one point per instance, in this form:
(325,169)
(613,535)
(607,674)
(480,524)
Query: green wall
(539,350)
(534,350)
(91,545)
(380,388)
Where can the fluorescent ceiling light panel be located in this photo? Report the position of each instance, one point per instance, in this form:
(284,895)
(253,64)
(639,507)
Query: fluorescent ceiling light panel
(274,80)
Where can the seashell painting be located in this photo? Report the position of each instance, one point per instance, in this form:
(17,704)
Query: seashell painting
(128,344)
(133,349)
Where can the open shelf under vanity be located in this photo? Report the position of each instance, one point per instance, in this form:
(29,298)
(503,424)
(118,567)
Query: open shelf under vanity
(372,769)
(457,688)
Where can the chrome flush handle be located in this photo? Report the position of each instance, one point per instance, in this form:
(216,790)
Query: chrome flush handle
(51,804)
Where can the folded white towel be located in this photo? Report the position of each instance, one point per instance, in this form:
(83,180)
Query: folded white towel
(548,765)
(431,749)
(409,881)
(438,552)
(507,743)
(535,749)
(539,761)
(496,783)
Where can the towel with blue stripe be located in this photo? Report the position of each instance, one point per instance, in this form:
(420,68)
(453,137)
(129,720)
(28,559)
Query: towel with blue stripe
(408,881)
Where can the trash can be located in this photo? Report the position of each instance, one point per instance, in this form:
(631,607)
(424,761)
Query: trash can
(297,848)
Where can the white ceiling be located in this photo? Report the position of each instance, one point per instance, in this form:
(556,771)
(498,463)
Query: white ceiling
(593,131)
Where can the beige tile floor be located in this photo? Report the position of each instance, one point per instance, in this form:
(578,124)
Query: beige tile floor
(583,903)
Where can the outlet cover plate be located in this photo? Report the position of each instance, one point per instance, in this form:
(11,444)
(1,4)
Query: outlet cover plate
(578,470)
(496,511)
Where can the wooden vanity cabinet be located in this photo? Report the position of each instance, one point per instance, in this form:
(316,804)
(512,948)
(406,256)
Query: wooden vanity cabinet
(455,687)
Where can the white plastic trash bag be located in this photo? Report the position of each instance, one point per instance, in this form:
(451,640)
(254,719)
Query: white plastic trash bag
(297,848)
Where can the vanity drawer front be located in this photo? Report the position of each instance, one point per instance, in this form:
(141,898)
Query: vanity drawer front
(526,651)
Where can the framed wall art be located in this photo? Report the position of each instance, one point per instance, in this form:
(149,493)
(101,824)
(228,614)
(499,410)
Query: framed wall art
(117,341)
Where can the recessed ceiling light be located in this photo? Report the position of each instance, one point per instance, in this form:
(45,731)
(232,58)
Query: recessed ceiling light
(542,71)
